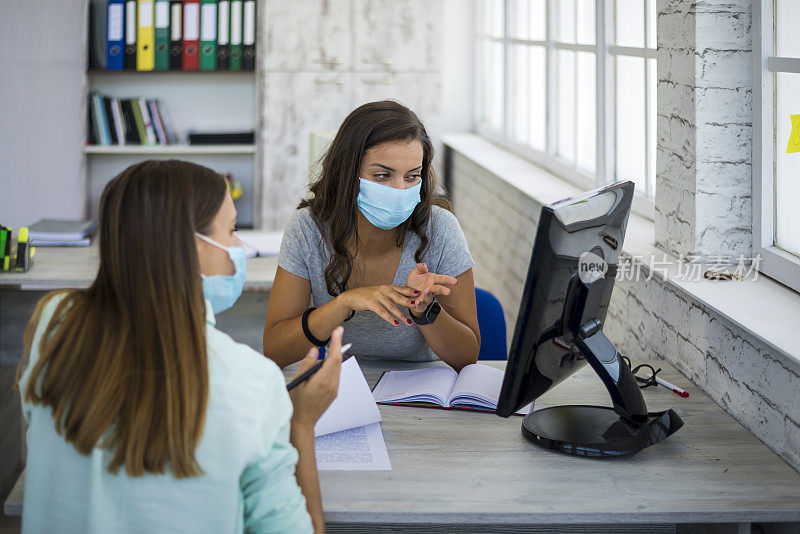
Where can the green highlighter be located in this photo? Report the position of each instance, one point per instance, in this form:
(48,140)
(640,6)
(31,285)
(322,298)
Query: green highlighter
(7,251)
(3,232)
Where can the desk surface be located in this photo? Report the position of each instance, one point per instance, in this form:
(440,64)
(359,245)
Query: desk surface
(463,467)
(57,267)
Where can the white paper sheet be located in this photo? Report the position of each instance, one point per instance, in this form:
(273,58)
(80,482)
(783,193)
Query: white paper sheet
(355,449)
(260,243)
(354,405)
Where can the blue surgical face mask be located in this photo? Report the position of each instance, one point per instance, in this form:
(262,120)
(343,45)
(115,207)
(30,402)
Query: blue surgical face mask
(384,206)
(224,290)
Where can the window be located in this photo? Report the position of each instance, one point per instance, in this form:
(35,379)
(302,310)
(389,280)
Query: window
(574,95)
(776,139)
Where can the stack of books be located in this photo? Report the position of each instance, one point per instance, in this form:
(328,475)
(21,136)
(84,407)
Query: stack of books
(62,233)
(131,121)
(148,35)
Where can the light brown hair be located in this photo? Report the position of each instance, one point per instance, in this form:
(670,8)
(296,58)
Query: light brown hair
(128,355)
(334,205)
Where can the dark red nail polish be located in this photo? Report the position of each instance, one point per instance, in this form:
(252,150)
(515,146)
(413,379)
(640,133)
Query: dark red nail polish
(409,321)
(396,322)
(416,292)
(412,302)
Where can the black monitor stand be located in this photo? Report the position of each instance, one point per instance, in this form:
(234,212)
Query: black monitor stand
(583,430)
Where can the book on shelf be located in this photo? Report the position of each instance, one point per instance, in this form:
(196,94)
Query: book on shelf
(221,138)
(127,121)
(161,35)
(475,388)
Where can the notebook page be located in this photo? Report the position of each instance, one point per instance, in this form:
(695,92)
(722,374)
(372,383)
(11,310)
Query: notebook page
(481,381)
(400,385)
(481,385)
(353,406)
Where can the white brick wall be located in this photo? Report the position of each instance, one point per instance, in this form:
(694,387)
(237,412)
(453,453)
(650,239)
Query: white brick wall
(704,127)
(647,319)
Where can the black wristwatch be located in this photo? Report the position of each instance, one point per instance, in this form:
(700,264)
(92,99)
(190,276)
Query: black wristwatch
(430,315)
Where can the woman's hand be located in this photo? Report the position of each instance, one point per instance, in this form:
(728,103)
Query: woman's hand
(429,285)
(383,300)
(313,396)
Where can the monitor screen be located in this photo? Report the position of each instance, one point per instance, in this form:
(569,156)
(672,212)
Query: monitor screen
(579,238)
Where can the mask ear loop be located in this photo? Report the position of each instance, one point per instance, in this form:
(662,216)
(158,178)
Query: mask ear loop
(210,241)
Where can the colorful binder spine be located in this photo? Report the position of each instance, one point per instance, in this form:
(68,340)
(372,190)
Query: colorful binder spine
(115,36)
(145,36)
(176,34)
(191,34)
(162,35)
(223,33)
(130,34)
(208,35)
(235,62)
(249,35)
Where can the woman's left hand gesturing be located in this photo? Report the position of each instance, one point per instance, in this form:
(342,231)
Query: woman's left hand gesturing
(429,285)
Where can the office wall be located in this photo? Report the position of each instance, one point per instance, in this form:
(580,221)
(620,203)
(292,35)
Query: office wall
(41,110)
(647,319)
(324,58)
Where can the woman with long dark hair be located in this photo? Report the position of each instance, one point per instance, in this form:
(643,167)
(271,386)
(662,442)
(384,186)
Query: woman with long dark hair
(376,247)
(143,417)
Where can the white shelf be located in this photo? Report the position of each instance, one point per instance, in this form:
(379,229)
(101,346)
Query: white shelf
(169,149)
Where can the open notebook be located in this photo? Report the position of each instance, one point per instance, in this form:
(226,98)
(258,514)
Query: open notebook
(476,387)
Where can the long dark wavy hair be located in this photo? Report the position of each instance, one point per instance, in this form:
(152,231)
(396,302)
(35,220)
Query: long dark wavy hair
(333,204)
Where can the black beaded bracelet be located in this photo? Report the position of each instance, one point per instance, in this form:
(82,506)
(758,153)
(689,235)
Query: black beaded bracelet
(308,333)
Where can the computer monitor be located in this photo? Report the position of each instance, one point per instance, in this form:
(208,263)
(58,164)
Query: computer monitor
(559,329)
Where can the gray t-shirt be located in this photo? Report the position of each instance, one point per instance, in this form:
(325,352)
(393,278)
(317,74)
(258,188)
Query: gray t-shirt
(304,254)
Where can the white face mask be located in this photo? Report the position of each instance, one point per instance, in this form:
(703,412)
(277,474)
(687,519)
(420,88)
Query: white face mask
(224,290)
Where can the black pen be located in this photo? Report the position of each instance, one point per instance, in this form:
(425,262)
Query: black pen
(297,381)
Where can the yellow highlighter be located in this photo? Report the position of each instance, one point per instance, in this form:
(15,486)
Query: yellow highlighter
(24,252)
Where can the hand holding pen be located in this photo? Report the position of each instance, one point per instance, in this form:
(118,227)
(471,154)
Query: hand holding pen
(312,395)
(300,377)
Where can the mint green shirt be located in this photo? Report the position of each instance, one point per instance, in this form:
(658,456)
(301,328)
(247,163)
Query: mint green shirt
(249,483)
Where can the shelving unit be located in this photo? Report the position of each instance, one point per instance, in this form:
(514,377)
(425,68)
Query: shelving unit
(170,149)
(192,101)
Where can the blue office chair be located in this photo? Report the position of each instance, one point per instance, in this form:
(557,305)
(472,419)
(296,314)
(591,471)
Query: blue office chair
(492,323)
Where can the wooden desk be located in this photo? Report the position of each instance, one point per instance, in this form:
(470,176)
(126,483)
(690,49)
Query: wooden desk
(464,468)
(57,267)
(476,471)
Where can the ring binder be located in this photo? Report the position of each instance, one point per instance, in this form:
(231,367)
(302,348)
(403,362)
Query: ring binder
(176,35)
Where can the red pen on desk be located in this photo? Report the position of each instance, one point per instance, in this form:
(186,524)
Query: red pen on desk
(676,389)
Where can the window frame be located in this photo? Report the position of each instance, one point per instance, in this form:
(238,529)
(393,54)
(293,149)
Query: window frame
(772,261)
(605,98)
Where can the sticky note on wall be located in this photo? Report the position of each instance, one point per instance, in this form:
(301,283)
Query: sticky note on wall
(794,136)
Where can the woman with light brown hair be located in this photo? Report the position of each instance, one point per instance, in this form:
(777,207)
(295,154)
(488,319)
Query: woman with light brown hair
(143,417)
